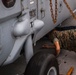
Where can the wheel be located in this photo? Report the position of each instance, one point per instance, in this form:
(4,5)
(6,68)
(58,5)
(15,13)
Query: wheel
(42,63)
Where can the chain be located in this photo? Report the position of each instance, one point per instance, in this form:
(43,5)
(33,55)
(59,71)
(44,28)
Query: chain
(70,10)
(54,17)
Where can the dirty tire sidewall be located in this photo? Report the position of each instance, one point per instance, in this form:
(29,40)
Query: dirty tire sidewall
(40,64)
(50,61)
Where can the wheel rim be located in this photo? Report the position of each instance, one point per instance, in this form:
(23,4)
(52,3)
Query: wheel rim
(52,71)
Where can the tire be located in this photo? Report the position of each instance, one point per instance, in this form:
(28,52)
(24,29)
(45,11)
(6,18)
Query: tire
(42,63)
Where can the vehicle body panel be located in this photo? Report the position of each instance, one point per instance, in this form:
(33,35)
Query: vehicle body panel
(63,13)
(10,45)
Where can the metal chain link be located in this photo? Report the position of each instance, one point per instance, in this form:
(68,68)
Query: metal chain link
(54,17)
(70,10)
